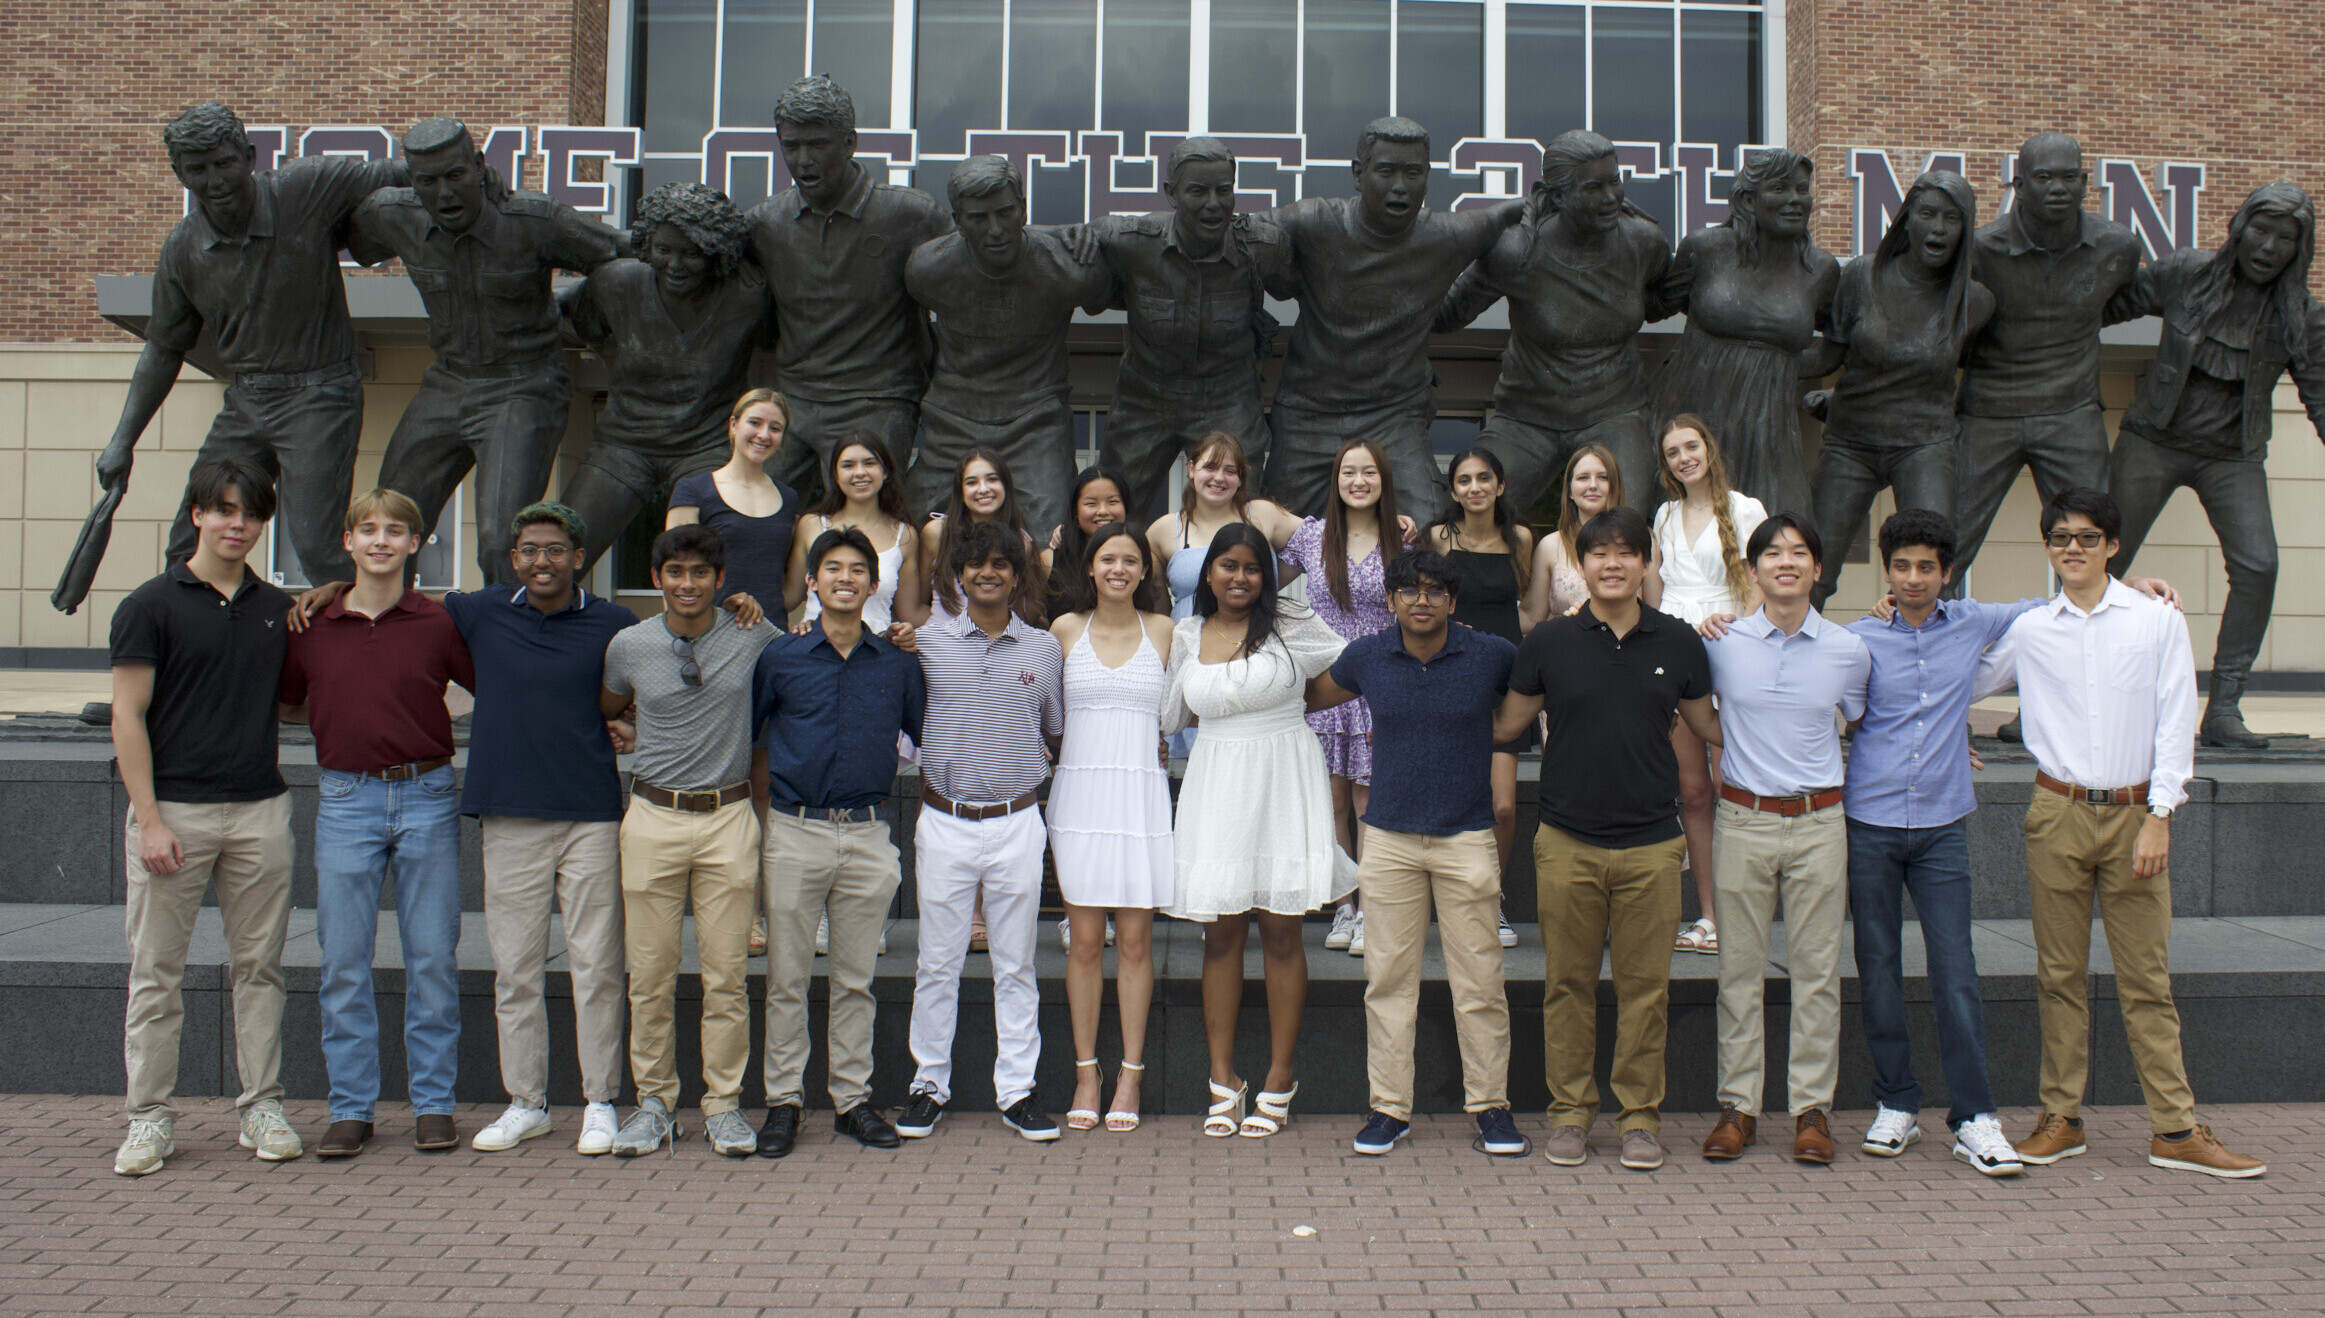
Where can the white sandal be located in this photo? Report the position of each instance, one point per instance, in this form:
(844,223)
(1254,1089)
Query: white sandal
(1702,936)
(1118,1120)
(1225,1115)
(1083,1118)
(1269,1113)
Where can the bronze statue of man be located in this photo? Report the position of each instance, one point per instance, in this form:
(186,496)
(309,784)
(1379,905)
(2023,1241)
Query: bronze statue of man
(495,398)
(1581,272)
(2234,321)
(256,263)
(1003,296)
(676,325)
(852,350)
(1193,280)
(1370,272)
(2030,381)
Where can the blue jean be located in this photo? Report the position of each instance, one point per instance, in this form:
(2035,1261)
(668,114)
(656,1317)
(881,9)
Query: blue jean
(365,829)
(1934,865)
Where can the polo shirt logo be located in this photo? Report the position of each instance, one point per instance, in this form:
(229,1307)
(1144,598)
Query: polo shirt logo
(1658,672)
(1025,677)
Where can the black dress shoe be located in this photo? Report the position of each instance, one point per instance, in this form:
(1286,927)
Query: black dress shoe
(869,1128)
(780,1132)
(435,1132)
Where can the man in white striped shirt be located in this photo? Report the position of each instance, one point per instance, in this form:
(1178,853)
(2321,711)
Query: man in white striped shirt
(996,708)
(2107,694)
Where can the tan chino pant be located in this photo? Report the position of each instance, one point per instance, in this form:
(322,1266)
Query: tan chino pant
(1593,897)
(850,870)
(1401,875)
(245,847)
(2075,851)
(1758,857)
(669,856)
(531,868)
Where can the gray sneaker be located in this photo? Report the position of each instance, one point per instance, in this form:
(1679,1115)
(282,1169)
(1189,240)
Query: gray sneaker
(730,1135)
(1567,1146)
(1642,1152)
(149,1142)
(265,1131)
(647,1130)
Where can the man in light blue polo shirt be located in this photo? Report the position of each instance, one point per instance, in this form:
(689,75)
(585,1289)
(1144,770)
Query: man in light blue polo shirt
(1780,675)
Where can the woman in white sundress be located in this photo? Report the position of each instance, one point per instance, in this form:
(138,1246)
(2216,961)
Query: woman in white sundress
(1110,804)
(862,489)
(1254,835)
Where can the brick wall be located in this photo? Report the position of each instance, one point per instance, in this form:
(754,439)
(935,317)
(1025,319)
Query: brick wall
(91,82)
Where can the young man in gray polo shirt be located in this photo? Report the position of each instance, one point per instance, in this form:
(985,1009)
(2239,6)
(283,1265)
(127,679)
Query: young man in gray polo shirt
(690,833)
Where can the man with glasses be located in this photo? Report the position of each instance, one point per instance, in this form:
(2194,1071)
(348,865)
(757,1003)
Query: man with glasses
(1428,839)
(690,836)
(2107,696)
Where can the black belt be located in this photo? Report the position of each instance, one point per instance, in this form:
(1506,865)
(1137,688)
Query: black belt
(693,803)
(929,796)
(858,814)
(396,773)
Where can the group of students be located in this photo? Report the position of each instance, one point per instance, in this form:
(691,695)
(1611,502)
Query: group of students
(1361,747)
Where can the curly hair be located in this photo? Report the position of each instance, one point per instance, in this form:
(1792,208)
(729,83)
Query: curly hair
(816,100)
(704,215)
(1760,169)
(206,127)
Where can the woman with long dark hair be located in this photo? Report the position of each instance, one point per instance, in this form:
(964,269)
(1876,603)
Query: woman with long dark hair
(1254,836)
(982,491)
(1098,496)
(862,489)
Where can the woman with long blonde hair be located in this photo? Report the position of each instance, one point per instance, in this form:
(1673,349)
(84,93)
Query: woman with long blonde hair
(1699,542)
(752,511)
(1591,484)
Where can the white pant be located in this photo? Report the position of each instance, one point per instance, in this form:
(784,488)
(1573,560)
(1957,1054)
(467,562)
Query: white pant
(957,860)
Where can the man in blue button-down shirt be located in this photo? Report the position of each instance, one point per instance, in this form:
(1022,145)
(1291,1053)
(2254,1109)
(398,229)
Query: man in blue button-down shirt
(829,704)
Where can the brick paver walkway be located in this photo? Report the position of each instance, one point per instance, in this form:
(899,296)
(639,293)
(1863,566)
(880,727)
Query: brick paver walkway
(976,1221)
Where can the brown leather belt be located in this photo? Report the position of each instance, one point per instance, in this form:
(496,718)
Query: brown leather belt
(929,796)
(2094,795)
(396,773)
(1801,804)
(693,803)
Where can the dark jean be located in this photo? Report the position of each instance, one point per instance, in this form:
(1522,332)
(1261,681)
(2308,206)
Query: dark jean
(1934,865)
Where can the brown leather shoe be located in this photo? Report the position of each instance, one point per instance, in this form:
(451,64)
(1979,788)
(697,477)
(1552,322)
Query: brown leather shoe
(1812,1138)
(2201,1152)
(435,1132)
(1731,1135)
(344,1139)
(2054,1137)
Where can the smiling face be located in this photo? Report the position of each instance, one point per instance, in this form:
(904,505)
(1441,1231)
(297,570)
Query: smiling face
(1216,476)
(1117,568)
(1422,610)
(859,473)
(450,182)
(1686,456)
(757,433)
(989,582)
(380,545)
(1917,577)
(230,529)
(1475,487)
(1098,503)
(982,489)
(220,181)
(1358,478)
(689,587)
(680,268)
(1591,486)
(1613,570)
(545,558)
(1935,226)
(2267,247)
(1203,195)
(2079,550)
(1782,205)
(1786,569)
(2050,180)
(1391,182)
(993,227)
(821,159)
(843,581)
(1593,203)
(1236,580)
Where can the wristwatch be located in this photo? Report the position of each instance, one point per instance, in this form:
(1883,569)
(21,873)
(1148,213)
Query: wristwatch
(2159,812)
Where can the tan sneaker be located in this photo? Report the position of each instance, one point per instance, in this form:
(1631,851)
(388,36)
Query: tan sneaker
(2201,1152)
(2054,1137)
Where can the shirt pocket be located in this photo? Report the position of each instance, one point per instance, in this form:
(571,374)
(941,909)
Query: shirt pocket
(1157,310)
(2129,669)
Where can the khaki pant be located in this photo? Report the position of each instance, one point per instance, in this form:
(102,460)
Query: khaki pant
(1401,874)
(1592,897)
(531,867)
(245,846)
(850,870)
(1756,857)
(2073,851)
(668,856)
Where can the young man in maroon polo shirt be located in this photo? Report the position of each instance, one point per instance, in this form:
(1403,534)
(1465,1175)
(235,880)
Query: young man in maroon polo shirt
(369,672)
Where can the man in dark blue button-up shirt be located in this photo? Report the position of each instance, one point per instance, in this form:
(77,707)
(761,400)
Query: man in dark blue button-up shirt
(828,705)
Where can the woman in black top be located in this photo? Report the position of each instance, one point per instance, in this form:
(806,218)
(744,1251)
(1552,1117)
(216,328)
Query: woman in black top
(750,510)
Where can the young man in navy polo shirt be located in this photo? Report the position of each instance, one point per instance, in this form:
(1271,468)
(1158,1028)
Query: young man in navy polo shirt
(197,660)
(369,672)
(1428,838)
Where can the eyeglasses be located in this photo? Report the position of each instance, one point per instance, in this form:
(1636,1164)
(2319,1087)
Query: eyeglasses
(689,671)
(1417,594)
(535,553)
(2087,539)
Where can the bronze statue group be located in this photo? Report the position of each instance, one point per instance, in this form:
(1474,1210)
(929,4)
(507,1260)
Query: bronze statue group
(884,546)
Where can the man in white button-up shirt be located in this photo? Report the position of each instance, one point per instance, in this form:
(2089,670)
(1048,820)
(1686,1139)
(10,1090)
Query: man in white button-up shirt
(2107,693)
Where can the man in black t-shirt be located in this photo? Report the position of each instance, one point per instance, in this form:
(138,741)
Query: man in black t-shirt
(197,662)
(1606,857)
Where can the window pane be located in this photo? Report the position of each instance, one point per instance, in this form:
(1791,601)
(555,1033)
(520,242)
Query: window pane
(764,50)
(958,86)
(1146,68)
(1546,49)
(1347,73)
(1440,69)
(1720,96)
(855,43)
(1253,45)
(1053,50)
(676,39)
(1631,74)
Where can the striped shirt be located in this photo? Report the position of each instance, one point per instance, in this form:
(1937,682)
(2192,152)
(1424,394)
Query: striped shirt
(991,701)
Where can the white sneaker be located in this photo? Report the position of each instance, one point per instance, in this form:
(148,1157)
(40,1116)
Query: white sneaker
(1343,929)
(265,1131)
(823,937)
(1892,1131)
(1981,1143)
(1356,938)
(599,1125)
(1507,935)
(883,940)
(512,1128)
(150,1140)
(1066,934)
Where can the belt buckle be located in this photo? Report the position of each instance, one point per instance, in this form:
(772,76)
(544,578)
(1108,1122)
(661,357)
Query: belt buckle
(684,797)
(396,773)
(2099,795)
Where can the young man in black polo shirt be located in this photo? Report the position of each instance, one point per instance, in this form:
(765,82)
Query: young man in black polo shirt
(197,660)
(1606,857)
